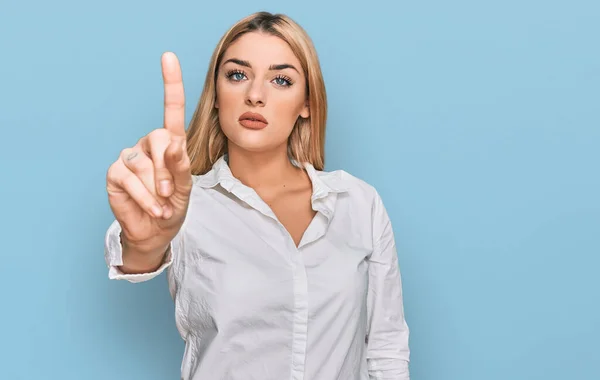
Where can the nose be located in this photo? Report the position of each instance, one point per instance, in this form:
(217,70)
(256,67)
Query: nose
(256,94)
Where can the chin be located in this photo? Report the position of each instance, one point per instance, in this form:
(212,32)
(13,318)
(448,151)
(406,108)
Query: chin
(253,140)
(256,147)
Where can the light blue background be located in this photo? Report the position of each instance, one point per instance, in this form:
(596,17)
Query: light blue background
(477,121)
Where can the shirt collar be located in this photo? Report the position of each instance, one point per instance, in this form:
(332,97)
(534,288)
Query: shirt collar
(323,183)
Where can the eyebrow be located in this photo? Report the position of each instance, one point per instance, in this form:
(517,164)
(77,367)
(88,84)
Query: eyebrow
(280,66)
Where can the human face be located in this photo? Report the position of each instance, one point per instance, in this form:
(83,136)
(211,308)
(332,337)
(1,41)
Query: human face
(260,74)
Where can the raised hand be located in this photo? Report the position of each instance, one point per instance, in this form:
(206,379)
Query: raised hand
(149,184)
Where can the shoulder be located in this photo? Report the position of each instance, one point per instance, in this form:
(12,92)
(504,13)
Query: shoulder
(344,182)
(362,199)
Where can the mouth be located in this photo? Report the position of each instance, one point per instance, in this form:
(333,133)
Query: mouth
(253,120)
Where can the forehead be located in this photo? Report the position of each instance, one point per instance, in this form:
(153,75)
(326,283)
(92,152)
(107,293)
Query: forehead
(261,49)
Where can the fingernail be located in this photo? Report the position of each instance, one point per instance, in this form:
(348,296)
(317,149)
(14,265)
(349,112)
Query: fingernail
(157,210)
(165,187)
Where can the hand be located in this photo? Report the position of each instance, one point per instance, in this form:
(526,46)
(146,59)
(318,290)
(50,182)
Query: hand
(149,184)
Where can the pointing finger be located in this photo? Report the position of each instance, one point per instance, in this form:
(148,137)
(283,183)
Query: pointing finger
(174,116)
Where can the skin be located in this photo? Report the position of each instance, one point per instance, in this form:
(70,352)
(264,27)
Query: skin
(259,157)
(149,185)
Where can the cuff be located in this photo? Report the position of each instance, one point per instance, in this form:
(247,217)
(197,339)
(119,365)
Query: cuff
(113,255)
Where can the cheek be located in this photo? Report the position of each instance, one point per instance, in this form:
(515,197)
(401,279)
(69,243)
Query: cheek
(227,97)
(287,107)
(225,105)
(230,94)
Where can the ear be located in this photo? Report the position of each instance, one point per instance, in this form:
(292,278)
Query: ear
(216,103)
(305,113)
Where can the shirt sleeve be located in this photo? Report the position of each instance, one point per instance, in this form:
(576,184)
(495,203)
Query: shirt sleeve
(113,255)
(387,331)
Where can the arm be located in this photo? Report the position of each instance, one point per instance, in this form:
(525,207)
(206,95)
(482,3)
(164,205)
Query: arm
(113,255)
(387,331)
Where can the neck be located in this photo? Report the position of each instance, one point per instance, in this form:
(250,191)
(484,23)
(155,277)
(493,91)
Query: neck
(261,169)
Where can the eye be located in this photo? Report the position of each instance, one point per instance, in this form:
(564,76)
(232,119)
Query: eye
(235,75)
(283,81)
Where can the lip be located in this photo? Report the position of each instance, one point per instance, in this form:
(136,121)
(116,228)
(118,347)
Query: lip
(253,116)
(253,120)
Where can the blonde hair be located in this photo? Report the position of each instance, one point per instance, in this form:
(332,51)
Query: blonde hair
(206,142)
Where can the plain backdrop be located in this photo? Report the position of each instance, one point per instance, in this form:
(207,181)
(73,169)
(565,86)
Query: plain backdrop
(477,121)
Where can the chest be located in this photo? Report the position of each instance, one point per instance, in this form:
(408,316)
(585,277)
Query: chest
(235,260)
(294,212)
(256,272)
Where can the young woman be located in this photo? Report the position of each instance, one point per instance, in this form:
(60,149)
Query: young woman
(278,269)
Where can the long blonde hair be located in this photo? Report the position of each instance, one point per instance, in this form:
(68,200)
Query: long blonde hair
(206,142)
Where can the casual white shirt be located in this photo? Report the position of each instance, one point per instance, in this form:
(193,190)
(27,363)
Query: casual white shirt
(250,305)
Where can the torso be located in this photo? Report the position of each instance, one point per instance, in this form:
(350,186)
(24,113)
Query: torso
(253,304)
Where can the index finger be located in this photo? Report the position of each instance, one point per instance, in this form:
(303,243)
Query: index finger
(174,117)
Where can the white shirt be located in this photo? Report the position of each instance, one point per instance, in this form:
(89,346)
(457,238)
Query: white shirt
(250,305)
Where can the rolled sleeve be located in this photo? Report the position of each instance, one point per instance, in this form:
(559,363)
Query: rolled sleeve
(388,334)
(113,255)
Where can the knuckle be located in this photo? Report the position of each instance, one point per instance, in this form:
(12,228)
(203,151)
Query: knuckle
(137,162)
(128,154)
(159,136)
(113,174)
(185,163)
(158,141)
(141,141)
(124,152)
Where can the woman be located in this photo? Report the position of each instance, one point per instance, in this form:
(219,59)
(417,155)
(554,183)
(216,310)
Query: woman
(278,269)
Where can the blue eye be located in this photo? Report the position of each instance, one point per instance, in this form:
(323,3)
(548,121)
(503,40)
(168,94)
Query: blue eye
(283,81)
(236,75)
